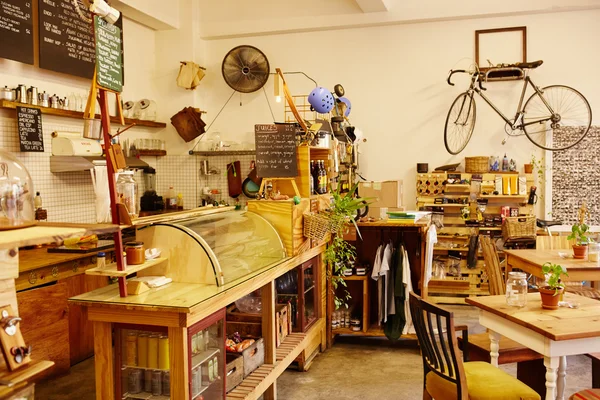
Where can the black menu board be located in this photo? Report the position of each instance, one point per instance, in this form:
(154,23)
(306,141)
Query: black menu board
(29,121)
(108,55)
(276,151)
(16,30)
(66,40)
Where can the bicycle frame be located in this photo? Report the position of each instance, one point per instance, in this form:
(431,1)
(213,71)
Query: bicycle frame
(476,87)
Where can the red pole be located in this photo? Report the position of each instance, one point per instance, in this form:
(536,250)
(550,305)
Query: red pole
(112,188)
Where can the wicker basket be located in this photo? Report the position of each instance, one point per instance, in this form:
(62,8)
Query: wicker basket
(477,165)
(522,227)
(316,226)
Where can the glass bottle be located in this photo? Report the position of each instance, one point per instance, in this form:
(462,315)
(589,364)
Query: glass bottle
(312,178)
(516,289)
(322,178)
(127,193)
(170,199)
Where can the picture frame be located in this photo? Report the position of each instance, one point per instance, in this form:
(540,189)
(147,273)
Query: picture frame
(501,46)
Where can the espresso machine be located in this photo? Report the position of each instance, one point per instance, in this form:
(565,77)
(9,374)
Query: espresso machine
(150,201)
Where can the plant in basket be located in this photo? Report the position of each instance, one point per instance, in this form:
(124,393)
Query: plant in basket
(579,232)
(555,287)
(340,254)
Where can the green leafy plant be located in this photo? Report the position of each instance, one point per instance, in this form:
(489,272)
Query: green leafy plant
(579,233)
(340,254)
(553,272)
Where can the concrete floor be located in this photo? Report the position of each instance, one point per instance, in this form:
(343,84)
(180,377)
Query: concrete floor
(366,369)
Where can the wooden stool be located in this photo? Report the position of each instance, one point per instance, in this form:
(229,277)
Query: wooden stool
(588,394)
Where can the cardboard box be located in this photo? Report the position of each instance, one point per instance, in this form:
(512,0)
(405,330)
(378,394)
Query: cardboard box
(383,194)
(375,212)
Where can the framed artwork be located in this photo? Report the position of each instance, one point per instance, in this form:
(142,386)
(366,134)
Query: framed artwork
(497,47)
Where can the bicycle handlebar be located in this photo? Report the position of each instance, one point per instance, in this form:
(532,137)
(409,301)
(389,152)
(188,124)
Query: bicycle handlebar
(452,72)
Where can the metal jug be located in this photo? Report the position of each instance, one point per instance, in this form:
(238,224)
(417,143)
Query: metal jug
(32,96)
(44,99)
(54,101)
(64,103)
(22,94)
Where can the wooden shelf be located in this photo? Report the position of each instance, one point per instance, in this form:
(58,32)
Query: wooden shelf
(356,278)
(111,270)
(22,374)
(50,232)
(152,153)
(503,197)
(445,205)
(457,186)
(262,378)
(450,248)
(12,105)
(224,153)
(200,358)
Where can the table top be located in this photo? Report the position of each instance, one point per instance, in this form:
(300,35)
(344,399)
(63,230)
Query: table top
(562,324)
(539,257)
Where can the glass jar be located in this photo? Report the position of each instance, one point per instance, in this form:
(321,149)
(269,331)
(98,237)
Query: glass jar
(127,193)
(516,289)
(593,252)
(16,193)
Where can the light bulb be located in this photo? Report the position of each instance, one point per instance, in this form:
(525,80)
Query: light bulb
(278,99)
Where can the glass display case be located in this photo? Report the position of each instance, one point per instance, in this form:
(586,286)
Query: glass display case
(143,362)
(219,248)
(206,344)
(300,288)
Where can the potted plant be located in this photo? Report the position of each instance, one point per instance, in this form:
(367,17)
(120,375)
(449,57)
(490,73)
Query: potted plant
(340,254)
(552,292)
(579,234)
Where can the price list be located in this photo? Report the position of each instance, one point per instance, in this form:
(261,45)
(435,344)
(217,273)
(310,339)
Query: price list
(16,30)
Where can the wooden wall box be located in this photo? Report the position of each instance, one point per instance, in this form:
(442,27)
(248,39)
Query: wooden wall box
(287,218)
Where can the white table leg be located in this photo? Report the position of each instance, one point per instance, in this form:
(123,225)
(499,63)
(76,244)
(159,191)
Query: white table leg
(562,378)
(494,347)
(551,364)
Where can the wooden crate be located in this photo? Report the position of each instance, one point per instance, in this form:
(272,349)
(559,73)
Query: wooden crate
(288,220)
(283,322)
(246,324)
(234,370)
(254,356)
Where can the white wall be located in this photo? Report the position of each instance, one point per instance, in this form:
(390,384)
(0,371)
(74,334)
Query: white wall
(395,78)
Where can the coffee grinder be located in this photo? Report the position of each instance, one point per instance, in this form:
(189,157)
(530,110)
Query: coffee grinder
(150,201)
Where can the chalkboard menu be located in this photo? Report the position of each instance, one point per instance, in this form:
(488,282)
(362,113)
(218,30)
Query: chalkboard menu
(108,55)
(276,151)
(29,122)
(16,30)
(66,40)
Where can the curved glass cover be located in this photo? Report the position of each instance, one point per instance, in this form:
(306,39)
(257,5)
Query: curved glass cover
(242,243)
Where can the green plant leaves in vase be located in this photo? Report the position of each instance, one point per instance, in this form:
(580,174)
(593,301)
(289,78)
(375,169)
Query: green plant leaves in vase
(553,272)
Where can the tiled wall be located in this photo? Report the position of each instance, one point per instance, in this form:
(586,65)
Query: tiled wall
(69,196)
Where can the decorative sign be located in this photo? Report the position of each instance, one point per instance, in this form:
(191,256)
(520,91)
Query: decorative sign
(16,30)
(29,122)
(276,151)
(66,39)
(109,63)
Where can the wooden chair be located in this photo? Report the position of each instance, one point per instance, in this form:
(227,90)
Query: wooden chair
(446,376)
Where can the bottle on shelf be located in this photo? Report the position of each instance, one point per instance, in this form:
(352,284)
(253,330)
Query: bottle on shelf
(40,213)
(314,173)
(322,178)
(170,199)
(505,163)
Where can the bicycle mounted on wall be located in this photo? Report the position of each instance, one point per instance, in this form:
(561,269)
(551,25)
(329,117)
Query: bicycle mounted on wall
(553,118)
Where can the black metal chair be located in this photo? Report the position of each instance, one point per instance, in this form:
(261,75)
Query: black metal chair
(445,375)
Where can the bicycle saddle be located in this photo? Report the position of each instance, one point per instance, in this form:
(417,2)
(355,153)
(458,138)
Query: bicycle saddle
(544,224)
(531,64)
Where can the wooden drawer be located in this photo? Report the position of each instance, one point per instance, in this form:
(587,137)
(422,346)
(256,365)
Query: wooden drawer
(45,324)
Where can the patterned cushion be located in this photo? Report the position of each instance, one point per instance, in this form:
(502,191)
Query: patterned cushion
(589,394)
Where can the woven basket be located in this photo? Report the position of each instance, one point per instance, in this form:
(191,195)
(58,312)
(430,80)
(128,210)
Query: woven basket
(477,165)
(522,227)
(316,226)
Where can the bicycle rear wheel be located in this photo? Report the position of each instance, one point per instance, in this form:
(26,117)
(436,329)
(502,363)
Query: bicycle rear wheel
(559,120)
(460,123)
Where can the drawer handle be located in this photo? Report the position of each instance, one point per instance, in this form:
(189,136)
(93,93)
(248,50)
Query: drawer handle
(75,266)
(33,277)
(55,272)
(232,371)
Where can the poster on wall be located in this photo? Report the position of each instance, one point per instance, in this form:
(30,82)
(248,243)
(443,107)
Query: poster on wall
(16,31)
(29,125)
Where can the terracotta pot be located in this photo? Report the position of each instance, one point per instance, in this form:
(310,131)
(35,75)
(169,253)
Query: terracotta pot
(549,299)
(528,168)
(580,251)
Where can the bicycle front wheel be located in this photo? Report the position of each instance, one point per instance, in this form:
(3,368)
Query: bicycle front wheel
(558,119)
(460,123)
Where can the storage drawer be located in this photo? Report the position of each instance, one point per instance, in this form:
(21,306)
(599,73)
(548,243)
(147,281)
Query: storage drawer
(235,371)
(254,356)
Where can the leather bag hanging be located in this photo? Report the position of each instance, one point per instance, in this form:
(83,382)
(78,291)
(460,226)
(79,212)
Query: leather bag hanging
(234,179)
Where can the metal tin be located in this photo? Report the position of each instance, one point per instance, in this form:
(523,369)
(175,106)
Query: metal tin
(131,349)
(156,383)
(148,381)
(135,381)
(7,94)
(166,383)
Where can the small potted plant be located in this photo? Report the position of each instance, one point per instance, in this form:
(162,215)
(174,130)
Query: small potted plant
(552,292)
(579,234)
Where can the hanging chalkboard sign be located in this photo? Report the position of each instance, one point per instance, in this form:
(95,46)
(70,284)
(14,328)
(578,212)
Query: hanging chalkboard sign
(276,151)
(109,64)
(31,137)
(16,31)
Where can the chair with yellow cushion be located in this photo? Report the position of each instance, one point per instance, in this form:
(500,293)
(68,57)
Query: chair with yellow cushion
(446,376)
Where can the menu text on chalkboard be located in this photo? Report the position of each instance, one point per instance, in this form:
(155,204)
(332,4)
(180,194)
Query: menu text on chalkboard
(16,30)
(66,40)
(109,63)
(276,151)
(29,122)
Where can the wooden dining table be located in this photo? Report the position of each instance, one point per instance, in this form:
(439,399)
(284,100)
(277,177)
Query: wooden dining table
(531,261)
(555,334)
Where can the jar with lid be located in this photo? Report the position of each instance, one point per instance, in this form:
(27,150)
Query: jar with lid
(594,252)
(135,253)
(127,193)
(516,289)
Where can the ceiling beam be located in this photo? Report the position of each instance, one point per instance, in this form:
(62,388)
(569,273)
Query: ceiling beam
(369,6)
